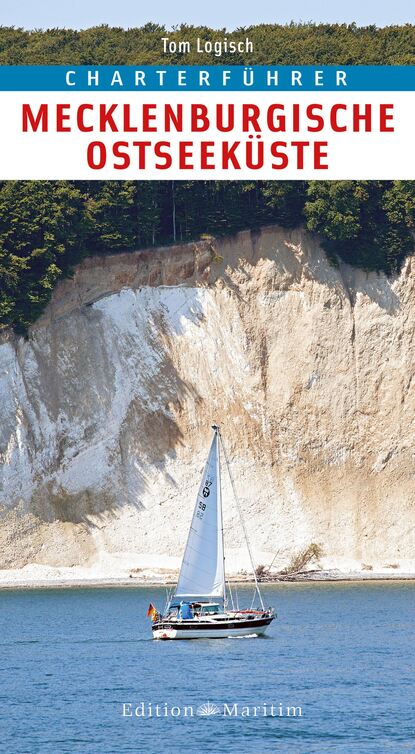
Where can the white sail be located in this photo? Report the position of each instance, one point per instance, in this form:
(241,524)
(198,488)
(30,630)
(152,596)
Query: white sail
(202,571)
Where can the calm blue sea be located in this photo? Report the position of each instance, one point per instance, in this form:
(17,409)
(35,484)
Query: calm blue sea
(70,660)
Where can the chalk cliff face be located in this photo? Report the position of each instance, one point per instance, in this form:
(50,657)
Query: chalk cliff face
(105,411)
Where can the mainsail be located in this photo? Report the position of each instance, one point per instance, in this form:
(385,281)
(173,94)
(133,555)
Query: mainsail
(202,572)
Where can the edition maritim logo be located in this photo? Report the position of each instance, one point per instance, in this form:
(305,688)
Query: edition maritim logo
(209,709)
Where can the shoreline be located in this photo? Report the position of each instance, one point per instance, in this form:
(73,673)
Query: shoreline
(131,583)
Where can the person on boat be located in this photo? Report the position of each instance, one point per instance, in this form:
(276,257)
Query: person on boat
(185,611)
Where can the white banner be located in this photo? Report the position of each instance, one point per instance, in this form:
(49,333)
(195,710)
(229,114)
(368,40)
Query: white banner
(228,135)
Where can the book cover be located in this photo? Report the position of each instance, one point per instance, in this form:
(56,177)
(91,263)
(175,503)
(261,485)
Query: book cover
(207,365)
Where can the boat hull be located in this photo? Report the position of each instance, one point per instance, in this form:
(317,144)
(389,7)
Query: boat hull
(210,630)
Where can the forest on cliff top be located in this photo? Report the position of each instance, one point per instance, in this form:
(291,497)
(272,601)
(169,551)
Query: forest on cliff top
(274,44)
(47,227)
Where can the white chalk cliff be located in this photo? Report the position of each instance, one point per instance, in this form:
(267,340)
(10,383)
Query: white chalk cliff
(105,411)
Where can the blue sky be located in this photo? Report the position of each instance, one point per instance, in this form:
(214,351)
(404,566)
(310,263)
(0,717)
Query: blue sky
(217,13)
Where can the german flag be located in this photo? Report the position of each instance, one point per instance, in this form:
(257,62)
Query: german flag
(152,612)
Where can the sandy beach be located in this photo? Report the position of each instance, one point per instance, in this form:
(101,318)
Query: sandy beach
(42,577)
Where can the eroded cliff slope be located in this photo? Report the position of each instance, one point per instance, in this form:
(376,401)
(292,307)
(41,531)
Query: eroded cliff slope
(105,411)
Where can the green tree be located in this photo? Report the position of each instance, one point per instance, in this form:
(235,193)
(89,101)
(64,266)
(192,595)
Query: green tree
(112,217)
(365,223)
(42,235)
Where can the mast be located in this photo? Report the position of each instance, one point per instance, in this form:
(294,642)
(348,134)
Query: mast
(216,429)
(242,521)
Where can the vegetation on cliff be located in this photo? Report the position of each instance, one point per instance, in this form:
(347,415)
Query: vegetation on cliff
(295,44)
(46,227)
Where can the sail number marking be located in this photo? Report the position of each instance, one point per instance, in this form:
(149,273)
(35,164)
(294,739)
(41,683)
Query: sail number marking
(205,492)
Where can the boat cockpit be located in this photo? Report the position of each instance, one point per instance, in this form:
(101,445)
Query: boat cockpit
(191,610)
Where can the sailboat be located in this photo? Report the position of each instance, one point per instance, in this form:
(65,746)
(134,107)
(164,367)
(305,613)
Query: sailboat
(199,607)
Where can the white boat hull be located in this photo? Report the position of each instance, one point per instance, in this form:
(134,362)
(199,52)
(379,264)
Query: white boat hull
(212,630)
(174,633)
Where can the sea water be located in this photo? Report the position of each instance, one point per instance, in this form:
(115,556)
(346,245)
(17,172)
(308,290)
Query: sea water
(79,673)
